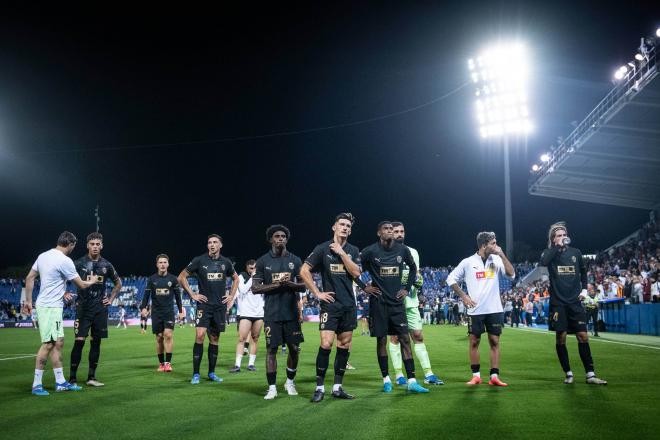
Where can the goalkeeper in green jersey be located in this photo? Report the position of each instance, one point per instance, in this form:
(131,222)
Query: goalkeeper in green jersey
(414,322)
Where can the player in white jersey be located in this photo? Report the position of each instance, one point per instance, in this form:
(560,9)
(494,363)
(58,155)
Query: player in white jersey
(481,272)
(122,316)
(414,322)
(250,317)
(54,268)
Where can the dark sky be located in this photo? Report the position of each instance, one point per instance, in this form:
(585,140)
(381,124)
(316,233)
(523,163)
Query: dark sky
(74,85)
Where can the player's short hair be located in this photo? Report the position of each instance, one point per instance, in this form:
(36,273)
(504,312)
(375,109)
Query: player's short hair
(345,216)
(384,222)
(395,224)
(214,235)
(159,256)
(250,263)
(277,228)
(552,231)
(66,238)
(94,236)
(483,238)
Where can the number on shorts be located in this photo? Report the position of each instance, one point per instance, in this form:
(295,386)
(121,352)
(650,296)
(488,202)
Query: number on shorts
(267,331)
(200,313)
(324,318)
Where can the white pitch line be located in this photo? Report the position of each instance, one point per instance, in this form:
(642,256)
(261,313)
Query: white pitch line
(19,357)
(591,339)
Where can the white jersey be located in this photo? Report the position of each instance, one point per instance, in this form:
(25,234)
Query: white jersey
(55,269)
(483,282)
(249,304)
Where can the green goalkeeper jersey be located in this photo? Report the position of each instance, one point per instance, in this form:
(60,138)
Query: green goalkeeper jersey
(411,301)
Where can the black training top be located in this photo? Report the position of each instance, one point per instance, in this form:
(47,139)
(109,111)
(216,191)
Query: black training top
(333,273)
(386,269)
(212,274)
(567,273)
(91,299)
(163,291)
(280,304)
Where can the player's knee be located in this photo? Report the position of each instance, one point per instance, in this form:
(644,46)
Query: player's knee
(418,337)
(326,345)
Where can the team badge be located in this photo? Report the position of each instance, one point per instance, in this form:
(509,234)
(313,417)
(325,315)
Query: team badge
(573,259)
(291,265)
(222,267)
(104,270)
(169,284)
(399,259)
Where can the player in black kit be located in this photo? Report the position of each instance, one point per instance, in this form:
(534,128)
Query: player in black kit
(163,289)
(92,307)
(275,277)
(385,261)
(337,261)
(568,284)
(211,270)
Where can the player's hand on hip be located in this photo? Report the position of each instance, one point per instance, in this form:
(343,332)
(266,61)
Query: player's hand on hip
(144,313)
(373,290)
(328,297)
(106,302)
(401,294)
(200,298)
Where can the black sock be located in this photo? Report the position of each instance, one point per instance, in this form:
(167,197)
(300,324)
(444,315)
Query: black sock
(409,365)
(271,377)
(585,355)
(213,357)
(562,353)
(168,357)
(161,357)
(94,355)
(475,368)
(198,354)
(383,363)
(322,362)
(76,355)
(341,359)
(494,371)
(291,373)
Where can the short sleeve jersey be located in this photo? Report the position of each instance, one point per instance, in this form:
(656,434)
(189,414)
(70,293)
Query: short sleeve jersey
(333,273)
(212,274)
(55,269)
(280,304)
(386,266)
(163,291)
(91,299)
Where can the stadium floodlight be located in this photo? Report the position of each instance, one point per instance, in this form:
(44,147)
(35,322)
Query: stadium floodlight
(500,75)
(657,32)
(545,157)
(621,72)
(639,56)
(535,167)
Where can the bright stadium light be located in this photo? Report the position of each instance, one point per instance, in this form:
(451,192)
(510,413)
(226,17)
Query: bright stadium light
(501,74)
(545,157)
(535,167)
(639,56)
(657,32)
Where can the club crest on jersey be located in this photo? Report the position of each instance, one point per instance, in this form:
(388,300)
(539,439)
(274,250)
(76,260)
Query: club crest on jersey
(291,265)
(399,259)
(104,270)
(222,267)
(573,259)
(169,284)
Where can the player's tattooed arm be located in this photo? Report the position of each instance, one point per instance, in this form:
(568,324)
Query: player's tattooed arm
(115,291)
(464,296)
(258,286)
(183,282)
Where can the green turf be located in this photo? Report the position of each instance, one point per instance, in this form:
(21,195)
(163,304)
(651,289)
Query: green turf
(138,402)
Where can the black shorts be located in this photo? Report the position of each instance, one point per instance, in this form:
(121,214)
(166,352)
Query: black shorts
(387,319)
(161,322)
(569,318)
(280,332)
(96,321)
(338,318)
(211,317)
(250,318)
(491,323)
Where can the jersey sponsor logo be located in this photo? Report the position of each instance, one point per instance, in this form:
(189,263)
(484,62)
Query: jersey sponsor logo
(99,278)
(280,276)
(566,270)
(337,268)
(162,291)
(485,275)
(389,271)
(215,276)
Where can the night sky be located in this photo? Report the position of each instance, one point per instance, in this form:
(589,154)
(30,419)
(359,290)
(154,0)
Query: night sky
(167,119)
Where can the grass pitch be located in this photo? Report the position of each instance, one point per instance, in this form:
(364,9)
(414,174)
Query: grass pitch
(138,402)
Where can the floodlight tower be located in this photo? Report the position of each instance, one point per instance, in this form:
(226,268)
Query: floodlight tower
(500,75)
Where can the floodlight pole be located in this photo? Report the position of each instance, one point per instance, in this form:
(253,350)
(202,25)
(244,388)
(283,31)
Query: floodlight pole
(508,217)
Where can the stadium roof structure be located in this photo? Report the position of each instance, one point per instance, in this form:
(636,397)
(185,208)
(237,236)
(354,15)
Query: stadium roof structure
(613,156)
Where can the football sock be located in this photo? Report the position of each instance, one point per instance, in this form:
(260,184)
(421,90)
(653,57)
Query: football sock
(383,364)
(94,355)
(271,378)
(562,353)
(494,372)
(322,362)
(161,358)
(341,359)
(475,369)
(38,375)
(253,357)
(238,360)
(76,355)
(291,373)
(59,375)
(409,364)
(423,356)
(585,356)
(395,355)
(212,353)
(168,357)
(198,353)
